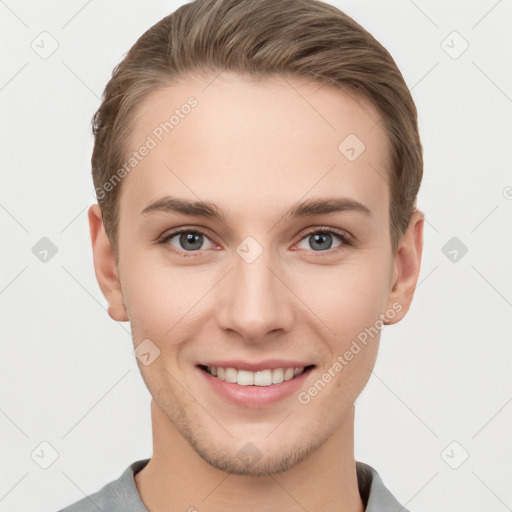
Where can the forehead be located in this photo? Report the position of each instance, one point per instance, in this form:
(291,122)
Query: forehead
(240,142)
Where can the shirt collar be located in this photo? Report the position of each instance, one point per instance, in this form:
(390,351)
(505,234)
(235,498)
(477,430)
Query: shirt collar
(375,495)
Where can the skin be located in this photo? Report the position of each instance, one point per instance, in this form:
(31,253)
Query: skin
(255,148)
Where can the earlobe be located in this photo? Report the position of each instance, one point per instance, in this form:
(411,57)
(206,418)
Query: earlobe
(407,264)
(105,266)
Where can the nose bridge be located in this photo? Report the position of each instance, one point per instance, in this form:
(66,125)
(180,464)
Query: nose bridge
(257,301)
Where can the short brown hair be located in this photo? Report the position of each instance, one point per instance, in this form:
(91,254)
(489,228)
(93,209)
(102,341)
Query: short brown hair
(260,38)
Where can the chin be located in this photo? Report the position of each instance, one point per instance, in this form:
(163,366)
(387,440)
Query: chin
(250,461)
(256,456)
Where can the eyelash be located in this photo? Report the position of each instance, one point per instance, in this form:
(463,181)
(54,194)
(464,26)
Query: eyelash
(344,238)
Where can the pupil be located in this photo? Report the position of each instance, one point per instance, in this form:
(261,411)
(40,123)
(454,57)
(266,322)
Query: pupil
(318,239)
(190,238)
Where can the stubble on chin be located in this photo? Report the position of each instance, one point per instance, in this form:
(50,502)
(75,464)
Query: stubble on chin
(235,457)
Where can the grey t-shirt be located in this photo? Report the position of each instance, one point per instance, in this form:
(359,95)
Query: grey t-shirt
(121,495)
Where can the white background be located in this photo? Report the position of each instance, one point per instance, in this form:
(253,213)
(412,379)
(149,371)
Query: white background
(68,372)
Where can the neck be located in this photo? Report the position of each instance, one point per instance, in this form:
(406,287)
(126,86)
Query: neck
(178,479)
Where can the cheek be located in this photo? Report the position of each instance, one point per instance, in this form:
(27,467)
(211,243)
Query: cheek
(348,299)
(161,300)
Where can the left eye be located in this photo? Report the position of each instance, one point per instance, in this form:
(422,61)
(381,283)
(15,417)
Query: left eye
(322,239)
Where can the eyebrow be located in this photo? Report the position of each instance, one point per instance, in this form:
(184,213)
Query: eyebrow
(311,207)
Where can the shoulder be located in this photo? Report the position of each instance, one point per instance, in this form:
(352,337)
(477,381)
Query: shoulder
(375,495)
(119,495)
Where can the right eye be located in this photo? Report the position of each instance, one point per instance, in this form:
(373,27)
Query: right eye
(185,240)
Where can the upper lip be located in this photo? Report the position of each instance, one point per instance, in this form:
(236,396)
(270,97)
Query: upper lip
(268,364)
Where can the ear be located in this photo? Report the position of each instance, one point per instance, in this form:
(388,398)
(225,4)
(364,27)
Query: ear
(105,266)
(407,263)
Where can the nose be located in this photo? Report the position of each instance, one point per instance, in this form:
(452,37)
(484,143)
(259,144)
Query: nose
(255,299)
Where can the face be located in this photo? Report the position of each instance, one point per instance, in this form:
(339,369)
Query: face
(284,267)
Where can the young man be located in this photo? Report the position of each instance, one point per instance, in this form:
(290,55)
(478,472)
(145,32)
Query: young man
(256,165)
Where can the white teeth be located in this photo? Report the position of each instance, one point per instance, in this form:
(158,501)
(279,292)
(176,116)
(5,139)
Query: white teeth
(263,378)
(277,376)
(248,378)
(245,378)
(289,373)
(231,375)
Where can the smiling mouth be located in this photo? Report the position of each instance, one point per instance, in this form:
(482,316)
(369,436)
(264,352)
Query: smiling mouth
(267,377)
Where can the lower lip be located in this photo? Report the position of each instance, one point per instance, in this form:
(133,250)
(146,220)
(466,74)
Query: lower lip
(255,396)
